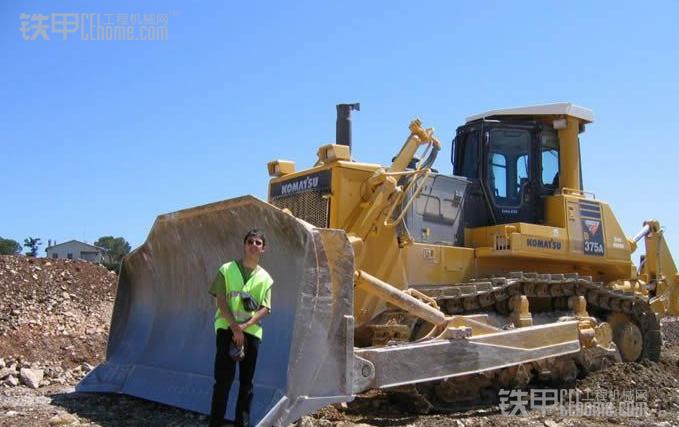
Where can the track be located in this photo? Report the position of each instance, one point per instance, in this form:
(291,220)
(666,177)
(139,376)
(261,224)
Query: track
(493,293)
(552,291)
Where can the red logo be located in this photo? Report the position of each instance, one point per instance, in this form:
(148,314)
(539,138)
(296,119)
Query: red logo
(592,226)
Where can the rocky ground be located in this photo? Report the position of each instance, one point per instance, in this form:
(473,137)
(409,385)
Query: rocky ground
(54,319)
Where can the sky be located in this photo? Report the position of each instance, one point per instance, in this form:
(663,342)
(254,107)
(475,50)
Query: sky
(98,137)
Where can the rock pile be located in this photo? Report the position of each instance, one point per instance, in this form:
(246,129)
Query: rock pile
(54,319)
(14,372)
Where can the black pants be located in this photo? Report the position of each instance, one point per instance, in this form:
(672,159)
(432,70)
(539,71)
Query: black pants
(225,369)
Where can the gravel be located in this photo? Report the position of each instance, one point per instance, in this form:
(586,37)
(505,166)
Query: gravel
(54,320)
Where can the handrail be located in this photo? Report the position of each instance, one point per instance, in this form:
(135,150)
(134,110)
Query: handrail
(422,180)
(576,192)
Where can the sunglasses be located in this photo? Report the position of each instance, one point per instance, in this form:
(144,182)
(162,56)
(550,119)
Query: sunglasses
(255,242)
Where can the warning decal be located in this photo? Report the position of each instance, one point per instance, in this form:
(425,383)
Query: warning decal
(592,228)
(593,237)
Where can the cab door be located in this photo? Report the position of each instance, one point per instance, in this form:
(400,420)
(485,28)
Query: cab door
(509,171)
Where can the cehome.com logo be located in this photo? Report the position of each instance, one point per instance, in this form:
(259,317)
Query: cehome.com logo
(543,244)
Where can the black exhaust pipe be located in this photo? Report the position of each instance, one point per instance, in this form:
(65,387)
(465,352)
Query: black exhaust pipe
(343,126)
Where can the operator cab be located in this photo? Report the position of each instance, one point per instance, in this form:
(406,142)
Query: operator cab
(512,158)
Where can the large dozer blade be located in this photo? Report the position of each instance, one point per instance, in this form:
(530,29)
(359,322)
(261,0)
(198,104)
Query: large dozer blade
(162,344)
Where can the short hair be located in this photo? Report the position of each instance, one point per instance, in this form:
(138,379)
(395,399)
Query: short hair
(256,234)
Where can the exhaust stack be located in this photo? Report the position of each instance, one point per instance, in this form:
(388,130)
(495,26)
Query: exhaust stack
(343,127)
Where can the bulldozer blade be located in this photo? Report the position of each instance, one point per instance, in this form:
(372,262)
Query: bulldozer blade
(162,343)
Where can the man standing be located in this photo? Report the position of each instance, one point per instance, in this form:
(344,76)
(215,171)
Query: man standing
(243,292)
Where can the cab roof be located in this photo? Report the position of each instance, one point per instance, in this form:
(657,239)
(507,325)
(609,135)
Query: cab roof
(558,109)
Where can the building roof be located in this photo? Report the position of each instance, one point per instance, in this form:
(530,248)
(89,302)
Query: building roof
(76,241)
(558,109)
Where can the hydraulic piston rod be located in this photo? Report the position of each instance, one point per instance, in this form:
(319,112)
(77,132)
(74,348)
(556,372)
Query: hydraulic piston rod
(643,233)
(385,291)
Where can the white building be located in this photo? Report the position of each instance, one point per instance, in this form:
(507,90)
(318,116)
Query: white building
(75,250)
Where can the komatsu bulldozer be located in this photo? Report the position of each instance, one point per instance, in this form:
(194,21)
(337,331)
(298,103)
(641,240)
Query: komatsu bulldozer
(401,277)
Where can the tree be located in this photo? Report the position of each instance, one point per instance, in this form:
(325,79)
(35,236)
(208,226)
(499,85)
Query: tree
(32,244)
(9,247)
(116,249)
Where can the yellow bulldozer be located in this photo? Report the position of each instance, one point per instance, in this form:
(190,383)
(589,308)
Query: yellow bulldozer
(401,277)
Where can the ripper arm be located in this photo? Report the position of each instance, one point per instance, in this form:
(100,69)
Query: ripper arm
(658,269)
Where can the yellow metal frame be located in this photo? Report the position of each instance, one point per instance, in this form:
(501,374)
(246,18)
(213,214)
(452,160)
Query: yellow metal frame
(364,197)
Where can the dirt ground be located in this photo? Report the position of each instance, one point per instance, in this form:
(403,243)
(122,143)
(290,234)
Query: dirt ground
(54,318)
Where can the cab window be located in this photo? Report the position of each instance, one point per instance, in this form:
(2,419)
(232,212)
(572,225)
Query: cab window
(521,171)
(468,157)
(549,146)
(498,173)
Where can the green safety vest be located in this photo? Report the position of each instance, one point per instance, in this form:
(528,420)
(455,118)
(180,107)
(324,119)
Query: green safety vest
(257,286)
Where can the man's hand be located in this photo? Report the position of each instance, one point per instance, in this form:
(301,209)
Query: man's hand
(237,329)
(238,337)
